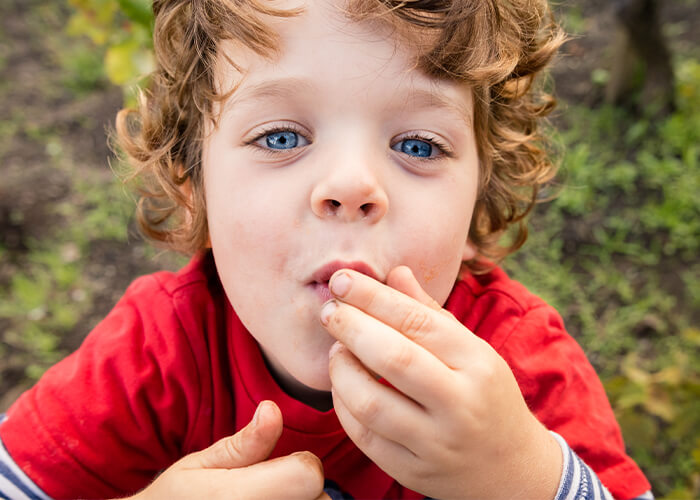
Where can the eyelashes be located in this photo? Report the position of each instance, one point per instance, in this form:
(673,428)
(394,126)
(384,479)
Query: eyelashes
(280,139)
(414,145)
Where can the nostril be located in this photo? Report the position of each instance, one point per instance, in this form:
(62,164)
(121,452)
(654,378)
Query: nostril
(367,208)
(331,207)
(335,208)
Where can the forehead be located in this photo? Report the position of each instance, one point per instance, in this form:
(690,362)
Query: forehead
(315,25)
(327,47)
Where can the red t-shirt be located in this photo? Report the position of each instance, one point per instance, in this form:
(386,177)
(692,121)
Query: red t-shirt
(171,370)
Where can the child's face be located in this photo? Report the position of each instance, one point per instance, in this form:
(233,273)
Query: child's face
(338,153)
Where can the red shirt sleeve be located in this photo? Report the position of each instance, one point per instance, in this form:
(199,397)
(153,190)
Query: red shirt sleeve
(562,389)
(556,379)
(105,420)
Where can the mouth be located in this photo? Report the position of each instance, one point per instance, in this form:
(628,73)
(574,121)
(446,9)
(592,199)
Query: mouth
(320,278)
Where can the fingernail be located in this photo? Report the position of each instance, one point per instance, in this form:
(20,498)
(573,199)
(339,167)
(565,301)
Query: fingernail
(327,310)
(256,416)
(340,284)
(334,348)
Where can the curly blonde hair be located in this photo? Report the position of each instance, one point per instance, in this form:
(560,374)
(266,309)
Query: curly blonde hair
(498,47)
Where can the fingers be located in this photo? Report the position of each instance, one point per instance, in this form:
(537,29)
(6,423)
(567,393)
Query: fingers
(296,476)
(248,446)
(415,316)
(391,355)
(233,467)
(392,456)
(382,409)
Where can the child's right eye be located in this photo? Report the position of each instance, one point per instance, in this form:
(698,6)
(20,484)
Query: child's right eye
(279,139)
(283,140)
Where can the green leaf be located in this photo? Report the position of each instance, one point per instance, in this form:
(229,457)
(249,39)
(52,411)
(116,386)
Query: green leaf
(139,11)
(122,62)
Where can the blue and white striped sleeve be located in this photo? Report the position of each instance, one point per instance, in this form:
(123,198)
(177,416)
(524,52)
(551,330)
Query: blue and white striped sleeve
(14,484)
(579,482)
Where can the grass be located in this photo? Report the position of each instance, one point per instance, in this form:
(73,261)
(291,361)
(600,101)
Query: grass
(616,254)
(50,290)
(47,291)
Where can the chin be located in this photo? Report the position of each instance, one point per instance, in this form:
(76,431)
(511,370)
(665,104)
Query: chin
(320,382)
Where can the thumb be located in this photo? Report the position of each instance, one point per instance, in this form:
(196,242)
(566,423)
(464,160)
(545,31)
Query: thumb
(250,445)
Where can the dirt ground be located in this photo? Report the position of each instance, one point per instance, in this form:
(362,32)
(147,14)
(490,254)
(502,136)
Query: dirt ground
(34,105)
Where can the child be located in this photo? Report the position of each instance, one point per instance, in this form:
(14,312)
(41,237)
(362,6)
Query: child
(340,172)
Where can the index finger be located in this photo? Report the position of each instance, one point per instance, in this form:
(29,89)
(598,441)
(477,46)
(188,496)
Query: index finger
(428,325)
(296,476)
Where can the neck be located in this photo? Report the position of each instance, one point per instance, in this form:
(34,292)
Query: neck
(317,399)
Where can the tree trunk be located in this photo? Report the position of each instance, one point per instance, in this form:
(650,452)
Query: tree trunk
(640,41)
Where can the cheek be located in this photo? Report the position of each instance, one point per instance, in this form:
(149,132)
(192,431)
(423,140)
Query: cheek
(437,265)
(246,217)
(435,246)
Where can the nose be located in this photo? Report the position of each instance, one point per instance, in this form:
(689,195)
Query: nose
(350,191)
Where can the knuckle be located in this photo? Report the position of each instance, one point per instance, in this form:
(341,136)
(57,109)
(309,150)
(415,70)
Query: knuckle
(364,437)
(415,321)
(486,372)
(372,299)
(232,448)
(448,314)
(400,359)
(367,409)
(418,472)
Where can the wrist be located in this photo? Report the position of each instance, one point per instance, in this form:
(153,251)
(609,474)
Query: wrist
(537,469)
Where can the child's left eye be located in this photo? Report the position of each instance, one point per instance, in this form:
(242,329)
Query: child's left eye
(414,147)
(284,139)
(427,148)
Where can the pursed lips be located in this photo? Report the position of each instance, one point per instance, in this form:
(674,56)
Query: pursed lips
(320,278)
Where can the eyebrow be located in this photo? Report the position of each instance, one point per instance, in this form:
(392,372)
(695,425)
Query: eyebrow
(285,87)
(279,87)
(433,99)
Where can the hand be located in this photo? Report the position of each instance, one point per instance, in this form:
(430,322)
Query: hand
(453,422)
(235,468)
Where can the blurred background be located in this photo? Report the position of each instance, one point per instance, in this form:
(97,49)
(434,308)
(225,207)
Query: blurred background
(616,252)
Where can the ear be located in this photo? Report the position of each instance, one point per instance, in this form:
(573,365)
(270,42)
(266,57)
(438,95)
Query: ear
(469,252)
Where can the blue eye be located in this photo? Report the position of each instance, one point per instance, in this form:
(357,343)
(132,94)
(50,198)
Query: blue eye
(282,140)
(414,147)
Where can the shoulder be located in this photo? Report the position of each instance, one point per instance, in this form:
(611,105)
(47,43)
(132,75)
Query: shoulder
(526,331)
(136,386)
(157,332)
(492,305)
(170,301)
(194,279)
(163,319)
